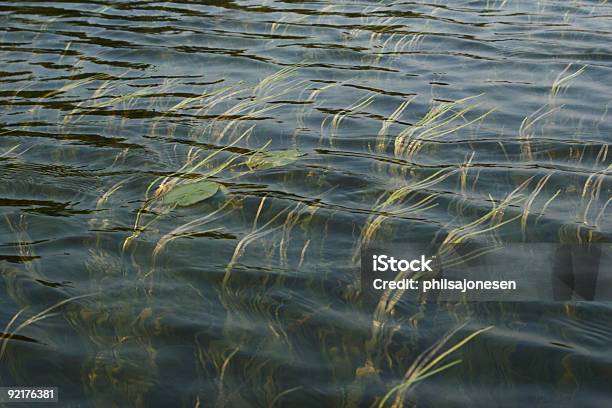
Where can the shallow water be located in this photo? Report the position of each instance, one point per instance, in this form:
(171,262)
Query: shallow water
(489,114)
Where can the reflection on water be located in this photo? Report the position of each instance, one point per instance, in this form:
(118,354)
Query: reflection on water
(185,187)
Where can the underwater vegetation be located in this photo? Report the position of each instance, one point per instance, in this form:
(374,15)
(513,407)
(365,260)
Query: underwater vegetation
(194,240)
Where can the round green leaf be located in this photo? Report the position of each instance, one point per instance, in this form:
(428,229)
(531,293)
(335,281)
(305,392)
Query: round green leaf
(275,158)
(187,194)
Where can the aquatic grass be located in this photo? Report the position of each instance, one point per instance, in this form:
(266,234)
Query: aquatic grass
(529,202)
(438,122)
(285,23)
(602,155)
(106,86)
(463,173)
(293,218)
(342,114)
(46,313)
(248,109)
(255,234)
(489,222)
(308,107)
(382,332)
(166,184)
(410,41)
(379,27)
(276,79)
(74,85)
(547,204)
(206,100)
(393,118)
(467,231)
(280,395)
(226,361)
(189,229)
(406,43)
(119,328)
(249,345)
(592,191)
(8,152)
(450,260)
(425,366)
(375,345)
(283,240)
(562,81)
(199,107)
(496,4)
(526,134)
(127,99)
(34,273)
(108,193)
(122,102)
(24,249)
(397,197)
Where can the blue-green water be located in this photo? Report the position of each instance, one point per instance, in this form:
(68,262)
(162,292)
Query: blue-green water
(399,121)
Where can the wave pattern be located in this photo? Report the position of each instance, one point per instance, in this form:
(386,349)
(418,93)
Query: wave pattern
(317,127)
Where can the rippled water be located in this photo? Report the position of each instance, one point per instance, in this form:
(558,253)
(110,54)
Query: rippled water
(398,121)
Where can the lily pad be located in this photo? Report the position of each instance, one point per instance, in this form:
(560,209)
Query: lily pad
(187,194)
(275,158)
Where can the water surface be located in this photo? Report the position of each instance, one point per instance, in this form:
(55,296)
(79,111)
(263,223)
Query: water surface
(398,121)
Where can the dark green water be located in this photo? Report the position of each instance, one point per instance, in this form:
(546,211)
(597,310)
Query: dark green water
(400,121)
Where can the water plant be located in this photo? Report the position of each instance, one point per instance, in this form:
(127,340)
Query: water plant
(221,220)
